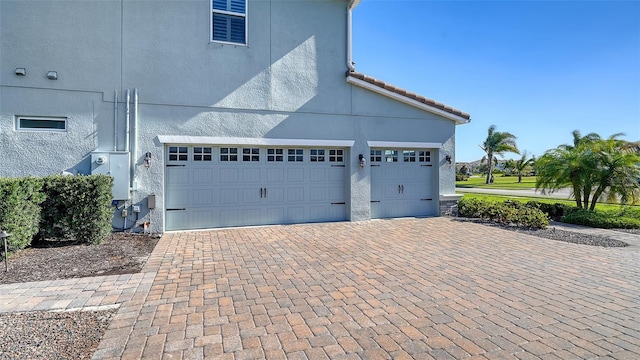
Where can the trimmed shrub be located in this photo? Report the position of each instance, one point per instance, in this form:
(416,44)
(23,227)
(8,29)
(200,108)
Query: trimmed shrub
(601,220)
(462,177)
(77,208)
(20,210)
(554,211)
(507,212)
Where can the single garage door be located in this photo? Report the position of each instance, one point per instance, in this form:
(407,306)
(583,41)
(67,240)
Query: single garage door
(220,186)
(402,183)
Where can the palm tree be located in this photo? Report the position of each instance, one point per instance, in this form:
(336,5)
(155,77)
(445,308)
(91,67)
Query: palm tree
(497,143)
(592,167)
(522,164)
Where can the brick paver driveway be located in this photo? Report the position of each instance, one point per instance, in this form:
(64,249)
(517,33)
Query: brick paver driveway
(408,288)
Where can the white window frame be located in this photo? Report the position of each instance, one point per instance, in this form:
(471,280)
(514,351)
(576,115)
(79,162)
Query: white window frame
(41,118)
(230,13)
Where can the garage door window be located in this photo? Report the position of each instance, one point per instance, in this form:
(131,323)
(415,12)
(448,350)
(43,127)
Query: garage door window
(228,154)
(336,155)
(424,156)
(250,154)
(178,153)
(202,154)
(316,155)
(376,155)
(391,155)
(409,155)
(295,155)
(275,155)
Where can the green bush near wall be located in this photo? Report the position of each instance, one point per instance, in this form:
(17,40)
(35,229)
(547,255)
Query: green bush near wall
(507,212)
(77,208)
(20,201)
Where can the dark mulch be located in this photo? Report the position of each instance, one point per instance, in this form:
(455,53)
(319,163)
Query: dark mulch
(120,253)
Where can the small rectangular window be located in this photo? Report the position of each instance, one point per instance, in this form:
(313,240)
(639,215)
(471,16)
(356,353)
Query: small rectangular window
(336,155)
(316,155)
(409,155)
(229,21)
(295,155)
(424,156)
(201,153)
(178,153)
(228,154)
(36,123)
(275,155)
(250,154)
(391,155)
(376,155)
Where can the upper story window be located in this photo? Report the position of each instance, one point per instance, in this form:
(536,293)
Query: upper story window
(229,21)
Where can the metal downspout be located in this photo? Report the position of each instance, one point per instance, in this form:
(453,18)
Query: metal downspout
(127,120)
(115,120)
(349,35)
(134,139)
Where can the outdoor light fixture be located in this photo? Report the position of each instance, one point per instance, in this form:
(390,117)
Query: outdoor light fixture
(147,159)
(362,160)
(21,71)
(52,75)
(447,158)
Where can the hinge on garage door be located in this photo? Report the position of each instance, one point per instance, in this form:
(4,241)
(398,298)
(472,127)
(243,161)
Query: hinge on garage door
(172,165)
(426,199)
(426,165)
(181,209)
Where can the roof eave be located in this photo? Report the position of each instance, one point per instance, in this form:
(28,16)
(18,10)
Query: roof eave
(353,3)
(395,96)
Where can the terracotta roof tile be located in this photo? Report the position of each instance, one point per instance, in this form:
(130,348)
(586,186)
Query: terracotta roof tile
(410,95)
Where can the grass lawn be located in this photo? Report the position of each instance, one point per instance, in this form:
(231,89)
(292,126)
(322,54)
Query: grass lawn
(499,182)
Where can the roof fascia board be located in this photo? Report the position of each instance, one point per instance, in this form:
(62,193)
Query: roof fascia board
(180,139)
(406,100)
(404,145)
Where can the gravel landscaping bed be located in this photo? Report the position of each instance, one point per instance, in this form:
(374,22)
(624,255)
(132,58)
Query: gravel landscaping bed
(52,335)
(557,234)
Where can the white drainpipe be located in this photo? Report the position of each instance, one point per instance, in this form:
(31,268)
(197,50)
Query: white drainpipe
(127,120)
(115,120)
(134,138)
(349,32)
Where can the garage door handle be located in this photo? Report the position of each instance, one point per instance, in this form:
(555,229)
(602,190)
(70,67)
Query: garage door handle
(173,165)
(426,199)
(261,193)
(402,186)
(181,209)
(398,189)
(265,192)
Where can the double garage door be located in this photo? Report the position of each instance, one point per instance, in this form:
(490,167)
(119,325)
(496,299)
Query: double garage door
(219,186)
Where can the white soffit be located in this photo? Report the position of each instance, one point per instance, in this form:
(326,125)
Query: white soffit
(404,145)
(181,139)
(406,100)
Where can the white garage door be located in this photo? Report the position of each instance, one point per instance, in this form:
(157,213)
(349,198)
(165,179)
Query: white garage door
(220,186)
(402,183)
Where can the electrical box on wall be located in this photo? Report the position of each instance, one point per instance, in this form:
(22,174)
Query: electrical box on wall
(116,165)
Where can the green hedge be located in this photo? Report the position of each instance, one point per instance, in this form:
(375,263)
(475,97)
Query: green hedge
(77,207)
(20,201)
(601,220)
(507,212)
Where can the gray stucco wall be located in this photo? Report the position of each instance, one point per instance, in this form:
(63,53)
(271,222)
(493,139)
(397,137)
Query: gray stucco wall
(288,82)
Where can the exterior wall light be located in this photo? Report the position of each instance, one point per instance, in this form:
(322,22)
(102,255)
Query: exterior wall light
(448,159)
(52,75)
(21,71)
(363,162)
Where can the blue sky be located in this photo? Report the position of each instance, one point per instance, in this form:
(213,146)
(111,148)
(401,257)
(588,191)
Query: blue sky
(536,69)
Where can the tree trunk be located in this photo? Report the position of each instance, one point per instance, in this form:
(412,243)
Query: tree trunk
(489,167)
(519,177)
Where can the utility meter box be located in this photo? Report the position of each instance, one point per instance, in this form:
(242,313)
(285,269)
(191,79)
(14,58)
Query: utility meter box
(116,165)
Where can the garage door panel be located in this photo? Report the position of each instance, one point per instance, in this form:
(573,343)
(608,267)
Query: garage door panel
(176,198)
(275,175)
(272,189)
(202,196)
(229,175)
(251,176)
(202,176)
(177,175)
(295,175)
(402,187)
(295,194)
(229,196)
(317,193)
